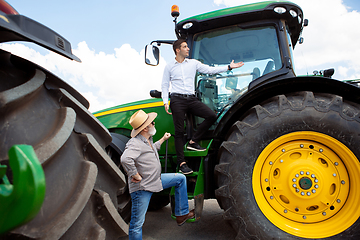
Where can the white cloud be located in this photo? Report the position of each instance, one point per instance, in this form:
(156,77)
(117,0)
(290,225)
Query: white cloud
(330,38)
(104,79)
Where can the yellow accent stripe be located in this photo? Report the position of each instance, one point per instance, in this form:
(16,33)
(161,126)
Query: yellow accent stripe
(124,109)
(4,18)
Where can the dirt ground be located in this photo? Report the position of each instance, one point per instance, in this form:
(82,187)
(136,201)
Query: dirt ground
(160,225)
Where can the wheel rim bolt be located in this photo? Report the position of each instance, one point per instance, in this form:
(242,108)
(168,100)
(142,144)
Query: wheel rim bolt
(294,185)
(338,201)
(266,180)
(316,180)
(313,175)
(281,160)
(336,163)
(271,197)
(302,193)
(297,175)
(316,186)
(342,182)
(308,193)
(324,213)
(283,150)
(297,190)
(307,173)
(301,145)
(313,191)
(334,174)
(321,150)
(270,163)
(296,209)
(302,173)
(304,217)
(294,180)
(285,211)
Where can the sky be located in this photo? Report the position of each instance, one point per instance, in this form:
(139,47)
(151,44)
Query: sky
(110,36)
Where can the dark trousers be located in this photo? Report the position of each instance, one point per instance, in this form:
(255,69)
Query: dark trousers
(179,107)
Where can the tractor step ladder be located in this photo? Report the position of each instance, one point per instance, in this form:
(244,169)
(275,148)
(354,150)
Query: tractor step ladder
(195,180)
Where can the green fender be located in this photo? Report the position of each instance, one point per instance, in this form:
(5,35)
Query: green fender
(21,200)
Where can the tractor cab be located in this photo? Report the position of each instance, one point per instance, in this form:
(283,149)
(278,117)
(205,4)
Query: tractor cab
(262,35)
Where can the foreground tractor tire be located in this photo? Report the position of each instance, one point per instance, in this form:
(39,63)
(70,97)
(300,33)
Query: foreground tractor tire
(289,169)
(115,150)
(82,182)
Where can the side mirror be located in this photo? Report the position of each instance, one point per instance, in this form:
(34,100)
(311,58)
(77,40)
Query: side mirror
(152,55)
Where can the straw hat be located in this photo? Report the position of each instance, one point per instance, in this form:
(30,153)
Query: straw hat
(141,120)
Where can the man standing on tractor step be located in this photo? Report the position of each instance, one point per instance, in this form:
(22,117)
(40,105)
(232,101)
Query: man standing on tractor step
(181,74)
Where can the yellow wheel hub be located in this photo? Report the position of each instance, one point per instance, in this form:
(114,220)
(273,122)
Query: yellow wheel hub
(306,183)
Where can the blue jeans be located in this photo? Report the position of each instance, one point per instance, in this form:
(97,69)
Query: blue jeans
(140,202)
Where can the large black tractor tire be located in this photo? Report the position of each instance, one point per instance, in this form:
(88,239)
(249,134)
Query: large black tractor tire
(289,169)
(115,150)
(82,182)
(157,202)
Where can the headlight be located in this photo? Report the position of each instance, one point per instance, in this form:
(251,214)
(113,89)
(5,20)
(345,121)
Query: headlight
(187,25)
(280,10)
(293,13)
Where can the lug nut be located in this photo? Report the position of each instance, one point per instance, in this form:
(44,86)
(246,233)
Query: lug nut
(302,173)
(313,175)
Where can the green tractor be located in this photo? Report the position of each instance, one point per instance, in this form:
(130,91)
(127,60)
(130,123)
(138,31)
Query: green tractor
(282,159)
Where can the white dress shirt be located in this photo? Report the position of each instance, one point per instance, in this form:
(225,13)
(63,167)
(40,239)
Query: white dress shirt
(182,76)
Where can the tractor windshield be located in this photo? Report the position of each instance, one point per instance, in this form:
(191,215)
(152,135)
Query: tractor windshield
(257,47)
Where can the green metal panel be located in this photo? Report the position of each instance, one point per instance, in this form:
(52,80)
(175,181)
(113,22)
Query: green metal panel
(116,119)
(232,10)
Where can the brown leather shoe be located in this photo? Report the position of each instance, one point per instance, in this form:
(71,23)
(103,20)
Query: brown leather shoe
(182,219)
